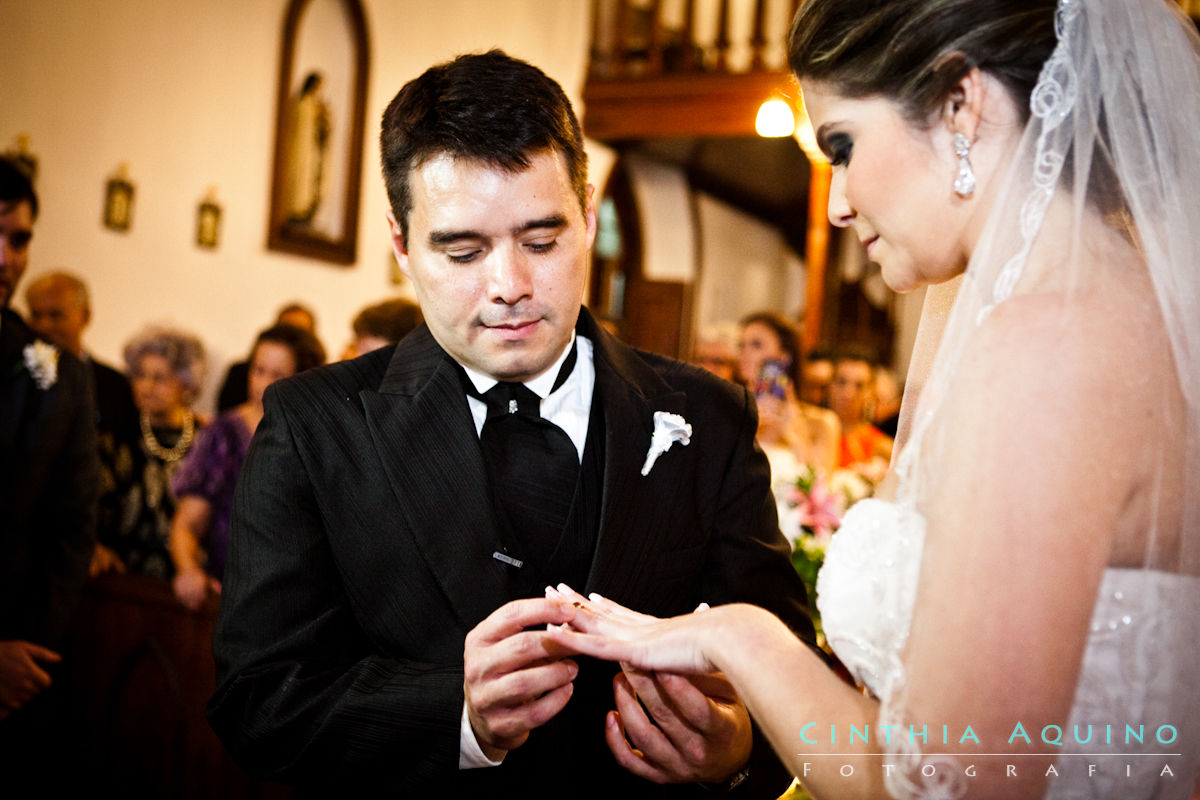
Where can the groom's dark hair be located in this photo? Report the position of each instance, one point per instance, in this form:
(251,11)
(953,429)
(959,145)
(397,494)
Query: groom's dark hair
(16,186)
(488,107)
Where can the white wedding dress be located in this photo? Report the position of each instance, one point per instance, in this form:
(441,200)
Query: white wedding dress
(1136,668)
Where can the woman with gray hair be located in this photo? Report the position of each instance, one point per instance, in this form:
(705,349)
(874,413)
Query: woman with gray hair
(166,369)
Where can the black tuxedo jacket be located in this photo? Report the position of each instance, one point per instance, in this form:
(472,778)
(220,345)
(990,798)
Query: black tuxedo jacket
(361,556)
(48,490)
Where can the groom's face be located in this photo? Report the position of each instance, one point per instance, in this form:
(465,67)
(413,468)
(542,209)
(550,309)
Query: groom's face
(16,229)
(498,260)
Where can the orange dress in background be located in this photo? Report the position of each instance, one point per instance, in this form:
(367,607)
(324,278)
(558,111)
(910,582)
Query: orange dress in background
(861,444)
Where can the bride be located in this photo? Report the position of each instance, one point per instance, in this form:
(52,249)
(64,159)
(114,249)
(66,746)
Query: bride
(1023,614)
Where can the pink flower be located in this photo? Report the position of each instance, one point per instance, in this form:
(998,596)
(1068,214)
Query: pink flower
(820,510)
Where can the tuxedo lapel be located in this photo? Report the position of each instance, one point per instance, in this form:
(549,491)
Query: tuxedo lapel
(630,393)
(425,439)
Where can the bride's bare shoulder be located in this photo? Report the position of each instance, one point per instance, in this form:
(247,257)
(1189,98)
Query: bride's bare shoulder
(1099,302)
(1101,352)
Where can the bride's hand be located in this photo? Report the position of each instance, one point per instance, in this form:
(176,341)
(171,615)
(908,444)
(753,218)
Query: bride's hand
(605,629)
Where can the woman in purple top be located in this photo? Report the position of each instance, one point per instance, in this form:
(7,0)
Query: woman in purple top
(205,481)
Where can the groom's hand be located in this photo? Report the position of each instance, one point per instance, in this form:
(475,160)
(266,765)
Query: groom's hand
(22,676)
(515,678)
(678,729)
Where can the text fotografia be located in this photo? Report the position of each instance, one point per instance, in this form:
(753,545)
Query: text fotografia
(932,770)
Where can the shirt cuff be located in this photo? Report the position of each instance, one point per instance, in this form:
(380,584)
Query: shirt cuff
(470,754)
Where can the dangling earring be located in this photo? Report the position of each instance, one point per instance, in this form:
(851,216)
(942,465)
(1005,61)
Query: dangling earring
(964,182)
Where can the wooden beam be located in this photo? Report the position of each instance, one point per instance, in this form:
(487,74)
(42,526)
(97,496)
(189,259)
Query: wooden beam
(695,104)
(817,250)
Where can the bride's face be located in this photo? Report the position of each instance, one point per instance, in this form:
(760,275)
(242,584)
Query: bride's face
(892,183)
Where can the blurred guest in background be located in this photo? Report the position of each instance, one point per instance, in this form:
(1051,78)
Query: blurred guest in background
(233,387)
(817,374)
(850,394)
(716,350)
(885,411)
(382,324)
(166,368)
(59,310)
(203,485)
(793,433)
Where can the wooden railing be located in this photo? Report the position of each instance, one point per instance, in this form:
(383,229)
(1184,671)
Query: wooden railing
(646,38)
(139,670)
(684,67)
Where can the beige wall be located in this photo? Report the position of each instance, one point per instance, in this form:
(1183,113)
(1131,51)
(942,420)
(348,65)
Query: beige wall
(183,92)
(746,266)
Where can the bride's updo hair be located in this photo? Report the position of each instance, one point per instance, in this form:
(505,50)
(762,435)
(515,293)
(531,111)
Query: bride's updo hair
(913,52)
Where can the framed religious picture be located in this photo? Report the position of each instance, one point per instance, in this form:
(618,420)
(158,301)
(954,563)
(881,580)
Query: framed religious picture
(317,166)
(118,200)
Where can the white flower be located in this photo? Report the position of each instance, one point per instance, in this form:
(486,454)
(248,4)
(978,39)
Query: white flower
(668,429)
(850,484)
(41,359)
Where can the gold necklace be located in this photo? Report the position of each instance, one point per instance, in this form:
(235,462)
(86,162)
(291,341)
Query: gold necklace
(175,453)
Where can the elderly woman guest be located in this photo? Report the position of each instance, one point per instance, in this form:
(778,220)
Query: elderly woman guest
(793,433)
(166,370)
(1037,164)
(205,480)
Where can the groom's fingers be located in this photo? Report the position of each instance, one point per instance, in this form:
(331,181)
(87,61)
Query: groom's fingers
(517,615)
(684,732)
(516,702)
(506,639)
(651,753)
(503,722)
(672,704)
(673,701)
(514,678)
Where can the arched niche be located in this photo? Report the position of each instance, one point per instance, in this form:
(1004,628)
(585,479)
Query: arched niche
(316,173)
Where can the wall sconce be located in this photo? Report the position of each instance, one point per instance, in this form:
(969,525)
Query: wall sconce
(118,200)
(208,221)
(775,119)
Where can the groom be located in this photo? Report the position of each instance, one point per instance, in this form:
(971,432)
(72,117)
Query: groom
(382,624)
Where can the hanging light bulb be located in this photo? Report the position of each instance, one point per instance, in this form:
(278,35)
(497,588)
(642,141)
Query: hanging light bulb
(775,119)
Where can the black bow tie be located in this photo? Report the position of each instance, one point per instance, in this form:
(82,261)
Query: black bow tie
(510,397)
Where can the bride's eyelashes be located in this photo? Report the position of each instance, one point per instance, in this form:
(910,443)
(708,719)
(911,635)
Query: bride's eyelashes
(837,148)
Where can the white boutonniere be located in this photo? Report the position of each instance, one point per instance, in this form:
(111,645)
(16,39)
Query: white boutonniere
(41,359)
(668,429)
